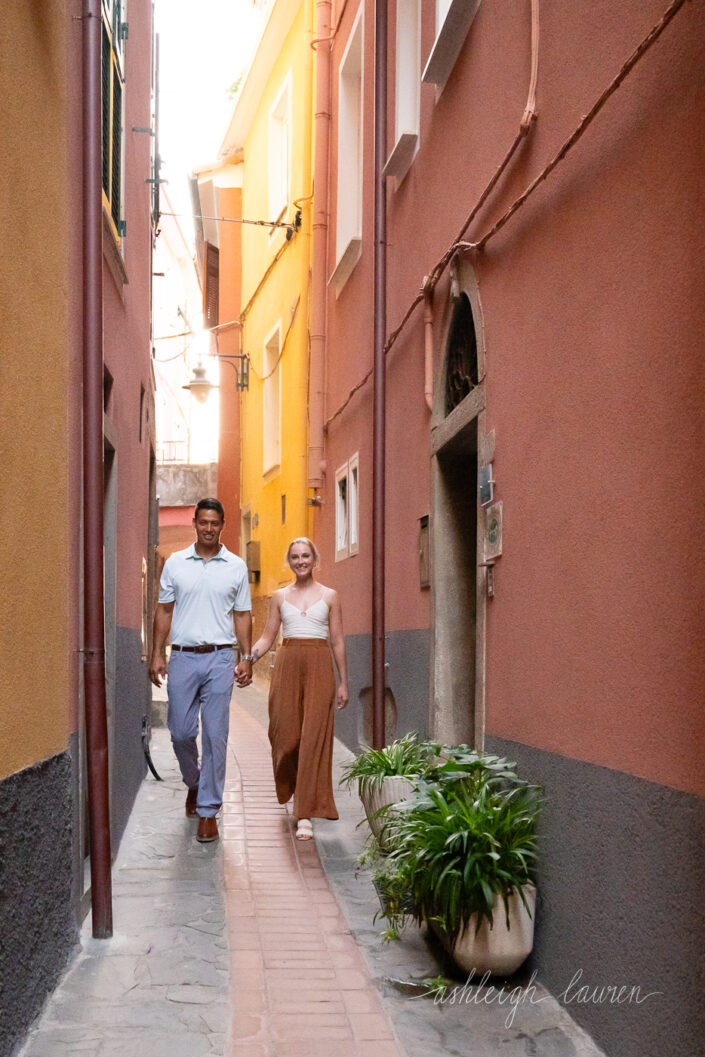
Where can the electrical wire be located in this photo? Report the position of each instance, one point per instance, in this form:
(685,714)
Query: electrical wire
(458,246)
(230,220)
(263,378)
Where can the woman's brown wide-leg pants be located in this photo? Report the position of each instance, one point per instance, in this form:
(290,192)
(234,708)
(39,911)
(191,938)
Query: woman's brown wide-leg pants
(301,718)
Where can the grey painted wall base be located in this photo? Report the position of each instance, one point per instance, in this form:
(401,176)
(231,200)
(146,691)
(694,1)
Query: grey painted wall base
(132,702)
(37,912)
(407,656)
(621,883)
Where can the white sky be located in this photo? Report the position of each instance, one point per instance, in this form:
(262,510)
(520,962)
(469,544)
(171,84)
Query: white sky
(204,46)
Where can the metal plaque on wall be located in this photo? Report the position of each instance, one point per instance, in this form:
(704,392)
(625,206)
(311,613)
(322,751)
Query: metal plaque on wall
(493,531)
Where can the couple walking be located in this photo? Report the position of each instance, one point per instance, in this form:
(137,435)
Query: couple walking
(204,602)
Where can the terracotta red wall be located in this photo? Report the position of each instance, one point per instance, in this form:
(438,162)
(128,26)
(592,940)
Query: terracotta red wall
(127,329)
(593,317)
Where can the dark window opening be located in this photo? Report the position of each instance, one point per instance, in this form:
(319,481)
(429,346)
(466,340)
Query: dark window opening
(461,365)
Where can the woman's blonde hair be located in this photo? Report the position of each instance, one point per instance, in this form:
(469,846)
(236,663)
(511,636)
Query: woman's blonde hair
(307,543)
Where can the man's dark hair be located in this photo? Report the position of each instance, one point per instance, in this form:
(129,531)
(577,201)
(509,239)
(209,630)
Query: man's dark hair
(210,504)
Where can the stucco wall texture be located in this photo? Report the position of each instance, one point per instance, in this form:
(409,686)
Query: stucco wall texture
(281,301)
(38,929)
(229,344)
(34,392)
(592,320)
(126,327)
(610,910)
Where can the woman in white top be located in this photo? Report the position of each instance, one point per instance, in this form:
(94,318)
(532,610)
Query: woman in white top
(302,693)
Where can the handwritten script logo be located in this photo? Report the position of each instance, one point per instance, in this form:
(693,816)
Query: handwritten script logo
(575,993)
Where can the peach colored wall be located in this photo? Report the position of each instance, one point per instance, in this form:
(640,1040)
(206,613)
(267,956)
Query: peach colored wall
(176,515)
(230,205)
(594,317)
(37,623)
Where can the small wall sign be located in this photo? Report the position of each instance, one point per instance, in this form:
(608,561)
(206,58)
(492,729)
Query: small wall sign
(493,531)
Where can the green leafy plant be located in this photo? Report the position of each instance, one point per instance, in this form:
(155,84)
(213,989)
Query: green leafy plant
(393,892)
(407,757)
(463,843)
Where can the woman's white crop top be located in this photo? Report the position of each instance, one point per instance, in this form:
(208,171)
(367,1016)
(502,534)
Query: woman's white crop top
(313,624)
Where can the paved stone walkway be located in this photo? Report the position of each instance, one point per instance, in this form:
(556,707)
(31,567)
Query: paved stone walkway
(299,985)
(247,947)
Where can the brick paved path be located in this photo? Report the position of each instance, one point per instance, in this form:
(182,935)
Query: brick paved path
(300,987)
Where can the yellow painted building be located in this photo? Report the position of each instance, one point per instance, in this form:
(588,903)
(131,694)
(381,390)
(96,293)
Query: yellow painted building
(267,152)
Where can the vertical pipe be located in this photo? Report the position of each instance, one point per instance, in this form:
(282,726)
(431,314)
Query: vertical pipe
(94,630)
(319,289)
(380,331)
(428,342)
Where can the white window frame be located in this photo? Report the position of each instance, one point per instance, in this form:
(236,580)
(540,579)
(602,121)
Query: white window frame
(279,152)
(348,230)
(453,20)
(347,508)
(271,401)
(407,102)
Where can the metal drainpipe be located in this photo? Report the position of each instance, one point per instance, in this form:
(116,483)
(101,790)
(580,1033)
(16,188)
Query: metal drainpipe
(380,333)
(94,631)
(319,289)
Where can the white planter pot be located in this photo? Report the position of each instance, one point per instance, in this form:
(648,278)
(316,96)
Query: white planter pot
(497,950)
(392,789)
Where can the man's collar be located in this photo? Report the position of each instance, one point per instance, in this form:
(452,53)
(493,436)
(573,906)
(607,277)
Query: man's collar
(221,556)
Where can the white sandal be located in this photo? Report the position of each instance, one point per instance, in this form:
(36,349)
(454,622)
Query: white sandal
(304,829)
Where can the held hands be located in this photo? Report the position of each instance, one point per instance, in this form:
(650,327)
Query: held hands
(342,700)
(243,673)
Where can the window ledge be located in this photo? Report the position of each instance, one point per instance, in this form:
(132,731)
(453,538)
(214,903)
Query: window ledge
(112,254)
(404,152)
(343,269)
(449,41)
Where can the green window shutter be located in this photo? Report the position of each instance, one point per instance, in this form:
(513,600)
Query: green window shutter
(115,203)
(105,80)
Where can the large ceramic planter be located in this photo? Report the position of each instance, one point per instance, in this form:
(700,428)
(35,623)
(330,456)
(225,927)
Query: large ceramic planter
(497,950)
(391,790)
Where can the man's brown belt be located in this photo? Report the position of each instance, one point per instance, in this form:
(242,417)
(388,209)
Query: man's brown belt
(208,647)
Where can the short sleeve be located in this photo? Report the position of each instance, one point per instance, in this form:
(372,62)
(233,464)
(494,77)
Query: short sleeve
(242,602)
(166,585)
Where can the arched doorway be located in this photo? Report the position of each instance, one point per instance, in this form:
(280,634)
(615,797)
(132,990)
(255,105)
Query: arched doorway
(458,448)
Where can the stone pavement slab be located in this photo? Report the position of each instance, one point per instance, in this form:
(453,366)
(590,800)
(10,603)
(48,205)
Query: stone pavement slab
(467,1024)
(160,986)
(259,945)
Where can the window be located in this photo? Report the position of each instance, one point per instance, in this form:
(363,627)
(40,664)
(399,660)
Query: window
(280,152)
(271,402)
(114,33)
(453,20)
(210,286)
(408,76)
(348,232)
(347,528)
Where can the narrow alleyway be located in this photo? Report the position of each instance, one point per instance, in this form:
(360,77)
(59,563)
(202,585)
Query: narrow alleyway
(262,946)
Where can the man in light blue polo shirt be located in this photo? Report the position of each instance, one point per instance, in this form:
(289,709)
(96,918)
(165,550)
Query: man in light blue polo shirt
(204,601)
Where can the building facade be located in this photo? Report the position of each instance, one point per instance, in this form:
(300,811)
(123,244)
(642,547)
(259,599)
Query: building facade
(545,183)
(44,880)
(264,174)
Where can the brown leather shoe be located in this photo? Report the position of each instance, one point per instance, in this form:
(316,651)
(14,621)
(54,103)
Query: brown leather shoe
(207,830)
(191,798)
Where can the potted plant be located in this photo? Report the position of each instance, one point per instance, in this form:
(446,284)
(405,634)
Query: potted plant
(464,851)
(386,776)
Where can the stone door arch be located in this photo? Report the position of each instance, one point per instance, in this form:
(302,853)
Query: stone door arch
(458,447)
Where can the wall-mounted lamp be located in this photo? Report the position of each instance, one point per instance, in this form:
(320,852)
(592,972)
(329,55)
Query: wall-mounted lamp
(200,386)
